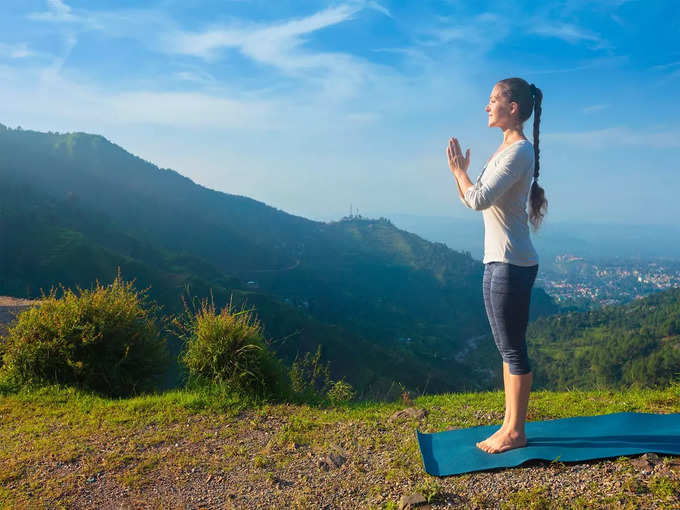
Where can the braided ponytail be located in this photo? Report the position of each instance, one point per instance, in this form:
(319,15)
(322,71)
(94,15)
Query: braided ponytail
(537,201)
(529,99)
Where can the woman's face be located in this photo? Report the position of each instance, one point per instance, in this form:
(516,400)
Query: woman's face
(501,113)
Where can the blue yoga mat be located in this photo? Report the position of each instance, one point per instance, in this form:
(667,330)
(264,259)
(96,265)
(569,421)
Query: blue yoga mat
(453,452)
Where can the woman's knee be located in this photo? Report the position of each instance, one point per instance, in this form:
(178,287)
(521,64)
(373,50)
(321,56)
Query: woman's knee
(518,363)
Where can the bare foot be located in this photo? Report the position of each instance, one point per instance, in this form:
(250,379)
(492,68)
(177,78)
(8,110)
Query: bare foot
(502,440)
(494,436)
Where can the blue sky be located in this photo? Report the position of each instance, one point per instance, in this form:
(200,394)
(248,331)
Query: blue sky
(313,106)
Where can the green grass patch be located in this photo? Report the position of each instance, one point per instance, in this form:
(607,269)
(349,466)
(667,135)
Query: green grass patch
(56,437)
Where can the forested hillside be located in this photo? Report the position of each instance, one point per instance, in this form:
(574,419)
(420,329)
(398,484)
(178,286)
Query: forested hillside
(616,346)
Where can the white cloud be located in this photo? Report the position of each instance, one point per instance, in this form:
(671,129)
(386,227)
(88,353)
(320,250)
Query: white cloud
(377,7)
(265,43)
(618,137)
(281,45)
(189,109)
(363,117)
(195,76)
(31,93)
(568,32)
(595,108)
(57,12)
(666,66)
(15,51)
(141,24)
(599,63)
(479,33)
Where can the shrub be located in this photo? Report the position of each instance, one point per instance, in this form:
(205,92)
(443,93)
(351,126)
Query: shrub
(105,339)
(310,379)
(311,382)
(340,393)
(228,348)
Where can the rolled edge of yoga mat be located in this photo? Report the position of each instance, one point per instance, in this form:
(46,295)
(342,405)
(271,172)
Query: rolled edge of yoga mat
(569,439)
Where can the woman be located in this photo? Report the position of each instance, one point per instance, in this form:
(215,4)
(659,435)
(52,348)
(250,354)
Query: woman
(510,260)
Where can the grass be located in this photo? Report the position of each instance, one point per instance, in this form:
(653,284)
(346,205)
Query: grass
(55,439)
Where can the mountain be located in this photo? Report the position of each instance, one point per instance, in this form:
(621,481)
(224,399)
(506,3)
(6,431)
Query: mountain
(385,304)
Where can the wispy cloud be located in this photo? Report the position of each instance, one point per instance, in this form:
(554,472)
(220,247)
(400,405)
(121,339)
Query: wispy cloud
(52,71)
(568,32)
(57,12)
(378,7)
(271,44)
(302,82)
(87,106)
(595,108)
(143,24)
(617,19)
(669,65)
(480,33)
(190,109)
(619,136)
(667,72)
(15,51)
(281,45)
(599,63)
(195,76)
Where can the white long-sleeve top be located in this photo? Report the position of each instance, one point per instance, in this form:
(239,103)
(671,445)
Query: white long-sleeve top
(501,193)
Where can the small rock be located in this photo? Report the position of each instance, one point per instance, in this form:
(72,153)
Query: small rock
(337,459)
(92,479)
(331,461)
(646,462)
(280,482)
(653,458)
(410,412)
(407,502)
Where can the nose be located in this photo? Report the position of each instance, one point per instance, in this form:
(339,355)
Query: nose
(486,108)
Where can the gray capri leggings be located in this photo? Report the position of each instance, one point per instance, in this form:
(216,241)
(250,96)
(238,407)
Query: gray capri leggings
(507,294)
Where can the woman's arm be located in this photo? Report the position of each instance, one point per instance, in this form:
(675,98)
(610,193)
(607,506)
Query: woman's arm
(510,170)
(461,194)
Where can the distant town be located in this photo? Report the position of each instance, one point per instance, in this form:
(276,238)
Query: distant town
(587,284)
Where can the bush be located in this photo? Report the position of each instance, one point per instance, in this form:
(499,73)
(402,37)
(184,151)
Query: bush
(105,339)
(310,379)
(340,393)
(227,348)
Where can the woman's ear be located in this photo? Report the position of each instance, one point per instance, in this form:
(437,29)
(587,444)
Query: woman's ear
(514,108)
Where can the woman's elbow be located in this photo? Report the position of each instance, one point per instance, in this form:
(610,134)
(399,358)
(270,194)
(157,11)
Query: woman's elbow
(477,201)
(479,204)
